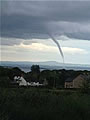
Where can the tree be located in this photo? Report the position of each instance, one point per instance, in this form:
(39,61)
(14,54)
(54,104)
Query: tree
(35,72)
(17,71)
(35,68)
(4,81)
(85,84)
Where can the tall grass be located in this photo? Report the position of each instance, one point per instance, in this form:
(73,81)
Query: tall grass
(43,104)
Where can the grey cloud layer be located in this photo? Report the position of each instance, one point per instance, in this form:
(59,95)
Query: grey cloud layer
(34,19)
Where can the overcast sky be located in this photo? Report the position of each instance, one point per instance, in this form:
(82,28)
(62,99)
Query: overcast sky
(25,26)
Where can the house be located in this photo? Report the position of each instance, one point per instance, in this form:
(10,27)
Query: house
(22,82)
(35,84)
(79,81)
(76,82)
(69,83)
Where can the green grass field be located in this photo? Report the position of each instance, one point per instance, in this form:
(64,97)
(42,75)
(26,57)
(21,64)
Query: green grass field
(43,104)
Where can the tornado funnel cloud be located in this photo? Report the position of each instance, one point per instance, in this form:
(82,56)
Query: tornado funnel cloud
(58,45)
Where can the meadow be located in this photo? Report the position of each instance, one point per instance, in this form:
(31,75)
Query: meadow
(43,104)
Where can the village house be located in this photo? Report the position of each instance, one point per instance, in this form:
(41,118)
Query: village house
(76,82)
(69,83)
(19,80)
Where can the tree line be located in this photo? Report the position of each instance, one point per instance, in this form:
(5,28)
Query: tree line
(55,78)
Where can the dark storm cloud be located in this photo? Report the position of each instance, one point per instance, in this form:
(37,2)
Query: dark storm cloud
(33,19)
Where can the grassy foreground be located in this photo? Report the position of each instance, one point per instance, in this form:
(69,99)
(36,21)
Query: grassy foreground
(43,104)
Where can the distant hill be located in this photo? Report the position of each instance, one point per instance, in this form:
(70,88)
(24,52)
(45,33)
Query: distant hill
(24,65)
(50,63)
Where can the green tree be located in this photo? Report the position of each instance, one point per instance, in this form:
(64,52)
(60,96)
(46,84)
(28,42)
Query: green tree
(4,81)
(85,84)
(35,72)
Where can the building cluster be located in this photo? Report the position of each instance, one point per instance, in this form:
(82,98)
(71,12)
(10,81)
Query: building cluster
(72,82)
(22,82)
